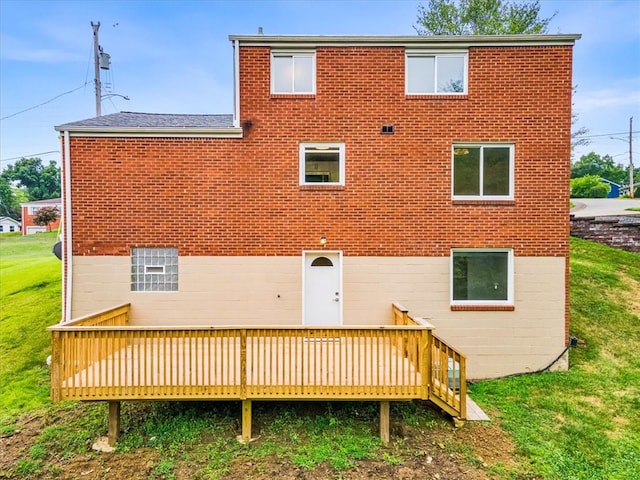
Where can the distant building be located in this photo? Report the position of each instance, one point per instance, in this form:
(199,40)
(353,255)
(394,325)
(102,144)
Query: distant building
(30,210)
(615,188)
(8,224)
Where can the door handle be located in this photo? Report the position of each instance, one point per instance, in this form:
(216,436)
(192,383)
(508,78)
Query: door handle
(336,299)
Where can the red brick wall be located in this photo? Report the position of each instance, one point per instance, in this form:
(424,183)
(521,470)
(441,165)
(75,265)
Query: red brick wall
(241,196)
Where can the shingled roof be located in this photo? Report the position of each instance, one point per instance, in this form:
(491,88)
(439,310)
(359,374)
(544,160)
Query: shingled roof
(152,120)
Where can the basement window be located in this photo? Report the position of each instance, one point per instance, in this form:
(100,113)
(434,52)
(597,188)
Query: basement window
(482,277)
(154,269)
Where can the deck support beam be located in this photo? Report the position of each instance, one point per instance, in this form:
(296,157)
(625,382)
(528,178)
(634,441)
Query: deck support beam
(114,422)
(384,421)
(246,420)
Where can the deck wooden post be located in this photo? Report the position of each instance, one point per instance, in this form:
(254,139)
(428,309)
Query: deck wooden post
(384,421)
(246,420)
(427,363)
(56,362)
(243,364)
(114,422)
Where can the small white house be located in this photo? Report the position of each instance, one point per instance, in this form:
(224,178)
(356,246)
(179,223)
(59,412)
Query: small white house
(8,224)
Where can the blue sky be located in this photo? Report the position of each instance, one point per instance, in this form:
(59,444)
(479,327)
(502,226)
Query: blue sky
(175,57)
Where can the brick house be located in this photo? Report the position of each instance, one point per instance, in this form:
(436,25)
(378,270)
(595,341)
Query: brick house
(30,210)
(353,173)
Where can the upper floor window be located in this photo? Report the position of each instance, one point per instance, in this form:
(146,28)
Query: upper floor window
(293,72)
(482,172)
(482,276)
(436,73)
(322,163)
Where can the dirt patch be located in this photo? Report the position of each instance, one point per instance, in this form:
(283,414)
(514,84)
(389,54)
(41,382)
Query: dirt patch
(15,456)
(470,452)
(474,451)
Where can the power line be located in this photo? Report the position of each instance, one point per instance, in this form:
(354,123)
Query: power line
(604,134)
(29,156)
(44,103)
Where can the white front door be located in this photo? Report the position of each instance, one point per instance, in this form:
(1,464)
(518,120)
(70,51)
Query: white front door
(322,288)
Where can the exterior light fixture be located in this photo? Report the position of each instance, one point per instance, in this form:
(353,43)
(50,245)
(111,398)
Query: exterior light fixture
(323,240)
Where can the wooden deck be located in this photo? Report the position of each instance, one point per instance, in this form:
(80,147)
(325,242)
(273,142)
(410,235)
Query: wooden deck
(103,357)
(280,364)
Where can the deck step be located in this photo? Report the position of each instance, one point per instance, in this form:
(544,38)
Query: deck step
(474,412)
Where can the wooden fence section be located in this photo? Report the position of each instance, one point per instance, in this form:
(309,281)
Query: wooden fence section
(102,357)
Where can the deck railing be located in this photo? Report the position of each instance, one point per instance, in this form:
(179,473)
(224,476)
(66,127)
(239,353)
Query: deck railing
(103,357)
(446,367)
(118,316)
(119,361)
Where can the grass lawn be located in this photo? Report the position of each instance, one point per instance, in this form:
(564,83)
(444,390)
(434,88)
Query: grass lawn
(584,423)
(580,424)
(30,295)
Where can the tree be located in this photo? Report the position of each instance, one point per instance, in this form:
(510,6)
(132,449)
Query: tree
(589,186)
(46,216)
(577,135)
(38,181)
(9,201)
(480,17)
(601,166)
(578,138)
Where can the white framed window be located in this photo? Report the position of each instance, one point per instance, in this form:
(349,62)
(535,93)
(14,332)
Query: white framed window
(436,73)
(293,72)
(482,276)
(482,171)
(154,269)
(322,163)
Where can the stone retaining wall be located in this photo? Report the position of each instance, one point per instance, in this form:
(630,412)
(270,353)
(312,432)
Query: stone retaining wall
(619,231)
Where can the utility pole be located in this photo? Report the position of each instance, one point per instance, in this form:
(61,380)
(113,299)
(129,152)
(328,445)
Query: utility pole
(96,56)
(631,176)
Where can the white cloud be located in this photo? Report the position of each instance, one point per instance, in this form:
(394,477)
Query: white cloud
(626,94)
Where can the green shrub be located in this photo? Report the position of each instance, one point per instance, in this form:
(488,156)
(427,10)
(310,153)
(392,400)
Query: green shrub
(589,186)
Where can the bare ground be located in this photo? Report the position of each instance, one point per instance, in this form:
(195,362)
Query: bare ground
(475,451)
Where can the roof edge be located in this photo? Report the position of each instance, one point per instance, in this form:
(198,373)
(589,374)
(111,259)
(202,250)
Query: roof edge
(88,131)
(46,201)
(389,40)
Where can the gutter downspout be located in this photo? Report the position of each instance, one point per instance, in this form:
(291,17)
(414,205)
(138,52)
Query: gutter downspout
(67,255)
(236,83)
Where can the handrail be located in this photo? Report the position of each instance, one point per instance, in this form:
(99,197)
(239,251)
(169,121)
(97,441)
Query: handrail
(447,367)
(111,316)
(142,328)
